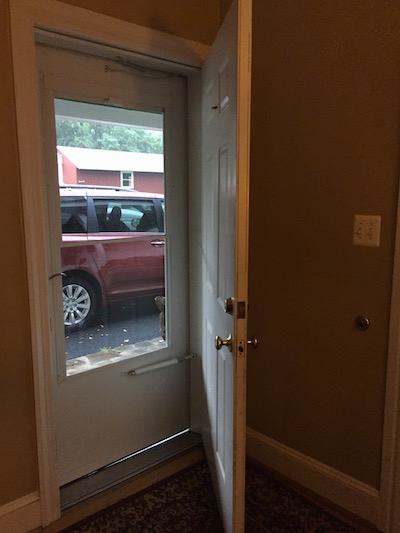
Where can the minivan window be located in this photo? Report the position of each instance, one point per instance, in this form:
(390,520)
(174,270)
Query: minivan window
(128,215)
(74,214)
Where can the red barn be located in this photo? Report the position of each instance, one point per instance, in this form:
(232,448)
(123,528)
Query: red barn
(86,166)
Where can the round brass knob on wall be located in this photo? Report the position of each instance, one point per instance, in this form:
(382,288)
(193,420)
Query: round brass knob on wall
(362,323)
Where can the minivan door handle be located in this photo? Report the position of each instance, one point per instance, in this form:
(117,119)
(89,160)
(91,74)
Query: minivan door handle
(157,243)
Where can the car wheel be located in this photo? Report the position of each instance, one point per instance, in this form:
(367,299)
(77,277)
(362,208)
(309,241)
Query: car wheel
(79,302)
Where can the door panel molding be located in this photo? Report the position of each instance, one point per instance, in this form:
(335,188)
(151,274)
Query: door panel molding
(64,20)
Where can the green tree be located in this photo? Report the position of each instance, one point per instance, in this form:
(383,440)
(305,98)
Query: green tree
(108,137)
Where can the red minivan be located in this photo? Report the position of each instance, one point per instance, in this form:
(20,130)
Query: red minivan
(112,249)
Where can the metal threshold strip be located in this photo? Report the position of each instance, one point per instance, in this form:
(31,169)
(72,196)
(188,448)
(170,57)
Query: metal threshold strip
(126,468)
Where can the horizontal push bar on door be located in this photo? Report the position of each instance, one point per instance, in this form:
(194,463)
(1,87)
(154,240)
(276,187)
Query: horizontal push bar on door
(161,364)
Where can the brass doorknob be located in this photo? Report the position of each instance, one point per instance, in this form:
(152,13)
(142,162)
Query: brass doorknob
(223,342)
(253,342)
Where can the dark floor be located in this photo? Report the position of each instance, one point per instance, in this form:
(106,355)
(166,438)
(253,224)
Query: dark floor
(187,503)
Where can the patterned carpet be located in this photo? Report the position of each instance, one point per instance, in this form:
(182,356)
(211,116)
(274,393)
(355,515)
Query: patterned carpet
(187,503)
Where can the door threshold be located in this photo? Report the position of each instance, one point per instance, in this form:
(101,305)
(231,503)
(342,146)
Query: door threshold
(111,475)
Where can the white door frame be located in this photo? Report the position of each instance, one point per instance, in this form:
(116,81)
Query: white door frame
(26,16)
(244,48)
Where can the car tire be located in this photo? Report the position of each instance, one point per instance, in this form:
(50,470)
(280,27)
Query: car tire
(80,302)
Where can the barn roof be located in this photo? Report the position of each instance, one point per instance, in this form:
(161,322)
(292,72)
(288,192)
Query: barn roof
(91,159)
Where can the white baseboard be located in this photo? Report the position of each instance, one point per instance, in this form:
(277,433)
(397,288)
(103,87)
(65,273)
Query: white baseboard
(341,489)
(21,515)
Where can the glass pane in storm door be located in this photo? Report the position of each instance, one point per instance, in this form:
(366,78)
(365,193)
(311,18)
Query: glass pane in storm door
(111,184)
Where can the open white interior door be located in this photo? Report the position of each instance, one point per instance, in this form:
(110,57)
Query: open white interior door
(225,143)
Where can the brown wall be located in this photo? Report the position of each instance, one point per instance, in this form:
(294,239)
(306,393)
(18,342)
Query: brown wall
(325,146)
(197,20)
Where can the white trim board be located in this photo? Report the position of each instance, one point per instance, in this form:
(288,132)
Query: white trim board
(26,16)
(93,28)
(341,489)
(20,515)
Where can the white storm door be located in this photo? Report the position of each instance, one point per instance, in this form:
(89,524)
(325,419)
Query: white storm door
(225,112)
(105,413)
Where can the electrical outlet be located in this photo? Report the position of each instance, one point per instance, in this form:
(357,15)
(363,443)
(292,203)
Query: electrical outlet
(367,230)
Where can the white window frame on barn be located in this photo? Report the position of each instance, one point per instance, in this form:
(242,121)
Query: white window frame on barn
(127,176)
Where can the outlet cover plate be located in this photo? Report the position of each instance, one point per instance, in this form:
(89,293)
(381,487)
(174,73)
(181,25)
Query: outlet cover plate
(367,230)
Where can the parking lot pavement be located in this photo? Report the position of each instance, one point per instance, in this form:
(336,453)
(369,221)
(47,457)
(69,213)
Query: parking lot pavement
(124,326)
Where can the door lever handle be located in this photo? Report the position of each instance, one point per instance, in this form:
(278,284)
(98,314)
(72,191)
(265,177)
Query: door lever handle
(157,243)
